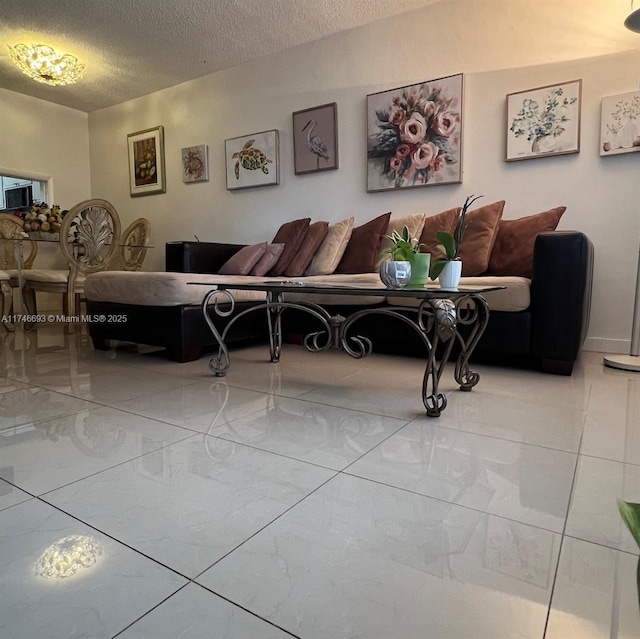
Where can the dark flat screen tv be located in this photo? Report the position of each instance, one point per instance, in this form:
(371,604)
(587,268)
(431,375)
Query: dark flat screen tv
(19,197)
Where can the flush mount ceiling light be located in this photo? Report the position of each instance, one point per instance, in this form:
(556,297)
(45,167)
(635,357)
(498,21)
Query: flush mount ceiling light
(43,64)
(633,20)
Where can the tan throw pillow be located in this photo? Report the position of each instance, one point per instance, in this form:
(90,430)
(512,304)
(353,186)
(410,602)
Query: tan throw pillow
(361,254)
(332,249)
(414,223)
(291,234)
(312,241)
(445,221)
(244,260)
(479,238)
(267,261)
(512,252)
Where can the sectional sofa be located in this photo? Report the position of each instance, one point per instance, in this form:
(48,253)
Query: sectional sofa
(539,320)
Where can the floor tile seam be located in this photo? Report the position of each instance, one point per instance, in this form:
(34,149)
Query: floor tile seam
(603,545)
(564,530)
(247,610)
(113,538)
(359,410)
(135,621)
(503,439)
(270,452)
(51,418)
(265,526)
(121,463)
(609,459)
(451,503)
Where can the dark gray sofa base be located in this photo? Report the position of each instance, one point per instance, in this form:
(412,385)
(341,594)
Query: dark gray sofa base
(547,336)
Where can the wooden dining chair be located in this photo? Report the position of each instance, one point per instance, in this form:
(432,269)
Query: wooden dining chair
(17,253)
(89,240)
(133,245)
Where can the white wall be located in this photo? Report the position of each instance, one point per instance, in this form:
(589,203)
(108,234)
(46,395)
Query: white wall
(46,141)
(601,194)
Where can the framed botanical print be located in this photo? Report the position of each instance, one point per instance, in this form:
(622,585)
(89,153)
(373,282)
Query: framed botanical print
(252,160)
(146,162)
(414,135)
(619,124)
(315,139)
(544,122)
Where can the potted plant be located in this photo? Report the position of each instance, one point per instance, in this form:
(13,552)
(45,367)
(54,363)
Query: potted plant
(630,514)
(449,267)
(402,268)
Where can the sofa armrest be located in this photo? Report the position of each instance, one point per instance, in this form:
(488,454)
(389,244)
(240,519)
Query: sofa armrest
(198,257)
(560,297)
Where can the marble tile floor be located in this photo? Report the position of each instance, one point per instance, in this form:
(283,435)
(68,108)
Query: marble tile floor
(141,498)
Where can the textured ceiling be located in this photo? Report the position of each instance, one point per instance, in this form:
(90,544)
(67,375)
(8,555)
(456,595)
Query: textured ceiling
(136,47)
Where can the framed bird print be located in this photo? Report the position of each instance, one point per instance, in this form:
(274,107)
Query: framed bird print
(252,160)
(315,139)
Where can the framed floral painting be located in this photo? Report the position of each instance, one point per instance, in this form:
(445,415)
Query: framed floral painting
(544,122)
(195,165)
(414,135)
(620,123)
(252,160)
(146,162)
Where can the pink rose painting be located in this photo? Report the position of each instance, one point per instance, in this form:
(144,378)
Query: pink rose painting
(414,135)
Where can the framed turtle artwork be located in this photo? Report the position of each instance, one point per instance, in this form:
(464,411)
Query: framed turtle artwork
(252,160)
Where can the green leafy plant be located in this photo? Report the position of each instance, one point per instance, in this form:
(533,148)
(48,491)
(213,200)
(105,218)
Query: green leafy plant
(403,247)
(630,514)
(449,244)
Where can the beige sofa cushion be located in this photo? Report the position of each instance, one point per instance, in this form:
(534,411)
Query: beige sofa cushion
(332,249)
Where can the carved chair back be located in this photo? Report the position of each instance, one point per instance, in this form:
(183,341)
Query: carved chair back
(133,244)
(12,227)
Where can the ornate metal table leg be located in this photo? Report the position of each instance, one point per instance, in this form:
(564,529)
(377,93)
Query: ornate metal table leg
(274,318)
(472,311)
(219,364)
(438,317)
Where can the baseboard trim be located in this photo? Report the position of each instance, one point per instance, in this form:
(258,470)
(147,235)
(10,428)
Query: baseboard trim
(607,345)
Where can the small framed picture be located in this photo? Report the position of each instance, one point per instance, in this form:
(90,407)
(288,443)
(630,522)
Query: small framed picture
(315,139)
(195,164)
(146,162)
(544,122)
(619,124)
(252,160)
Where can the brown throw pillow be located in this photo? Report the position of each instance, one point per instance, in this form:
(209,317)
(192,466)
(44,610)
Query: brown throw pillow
(328,256)
(445,221)
(314,237)
(267,261)
(244,260)
(513,250)
(479,238)
(361,254)
(415,224)
(291,234)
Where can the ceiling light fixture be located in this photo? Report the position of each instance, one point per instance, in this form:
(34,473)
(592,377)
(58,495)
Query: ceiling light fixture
(633,20)
(43,64)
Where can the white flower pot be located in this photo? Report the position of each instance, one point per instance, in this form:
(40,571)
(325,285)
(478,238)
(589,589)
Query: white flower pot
(450,276)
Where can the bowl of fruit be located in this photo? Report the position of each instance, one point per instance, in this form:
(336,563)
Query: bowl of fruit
(44,223)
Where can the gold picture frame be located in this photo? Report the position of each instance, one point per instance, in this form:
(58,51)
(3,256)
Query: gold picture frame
(146,162)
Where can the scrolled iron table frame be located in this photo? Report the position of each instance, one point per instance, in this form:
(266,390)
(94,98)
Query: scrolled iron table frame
(436,321)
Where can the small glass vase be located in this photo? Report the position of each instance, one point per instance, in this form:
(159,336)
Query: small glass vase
(395,274)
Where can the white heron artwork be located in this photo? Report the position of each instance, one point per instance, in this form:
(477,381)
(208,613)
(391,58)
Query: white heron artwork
(315,143)
(315,139)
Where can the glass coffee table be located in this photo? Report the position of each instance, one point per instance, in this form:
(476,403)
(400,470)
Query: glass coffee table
(437,319)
